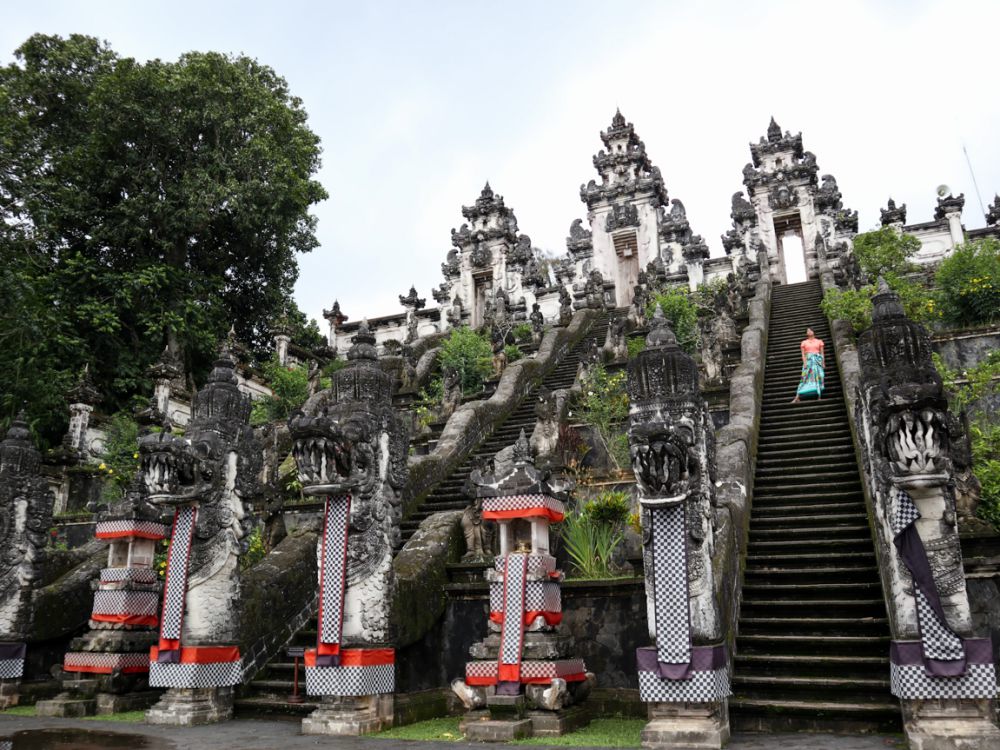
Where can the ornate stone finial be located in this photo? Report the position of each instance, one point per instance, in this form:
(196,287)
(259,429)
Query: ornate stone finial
(660,335)
(17,452)
(886,304)
(84,391)
(892,214)
(948,205)
(363,343)
(773,131)
(618,121)
(487,192)
(334,316)
(224,367)
(993,214)
(411,300)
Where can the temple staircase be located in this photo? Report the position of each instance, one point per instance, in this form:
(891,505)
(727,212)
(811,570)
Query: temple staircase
(813,643)
(448,494)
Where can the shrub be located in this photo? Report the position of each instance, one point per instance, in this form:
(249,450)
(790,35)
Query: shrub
(636,345)
(611,506)
(604,405)
(885,252)
(522,332)
(120,458)
(290,386)
(681,311)
(986,467)
(469,354)
(254,549)
(512,352)
(590,544)
(969,283)
(852,305)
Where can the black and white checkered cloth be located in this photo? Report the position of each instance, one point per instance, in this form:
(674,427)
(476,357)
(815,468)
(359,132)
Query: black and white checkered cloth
(143,603)
(130,526)
(512,631)
(530,669)
(911,682)
(670,585)
(539,596)
(523,502)
(11,669)
(216,674)
(333,576)
(351,681)
(175,590)
(701,686)
(128,575)
(940,642)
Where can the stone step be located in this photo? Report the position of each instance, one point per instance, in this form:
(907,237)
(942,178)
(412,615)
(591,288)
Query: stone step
(792,559)
(753,714)
(777,499)
(835,519)
(810,574)
(749,625)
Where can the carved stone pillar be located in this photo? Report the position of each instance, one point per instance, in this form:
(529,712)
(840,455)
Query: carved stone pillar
(684,676)
(281,342)
(25,518)
(204,478)
(523,679)
(351,449)
(942,673)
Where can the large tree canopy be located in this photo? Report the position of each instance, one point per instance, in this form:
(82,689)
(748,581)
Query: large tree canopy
(142,204)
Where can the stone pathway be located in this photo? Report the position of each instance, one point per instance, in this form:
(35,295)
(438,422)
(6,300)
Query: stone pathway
(247,734)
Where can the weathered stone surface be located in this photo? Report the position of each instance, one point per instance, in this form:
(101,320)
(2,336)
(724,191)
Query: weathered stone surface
(350,716)
(278,596)
(192,707)
(421,574)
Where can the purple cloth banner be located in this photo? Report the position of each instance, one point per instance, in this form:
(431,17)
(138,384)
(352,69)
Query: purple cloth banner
(703,659)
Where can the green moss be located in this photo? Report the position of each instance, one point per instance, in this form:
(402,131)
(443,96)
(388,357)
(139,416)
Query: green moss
(131,717)
(599,733)
(438,730)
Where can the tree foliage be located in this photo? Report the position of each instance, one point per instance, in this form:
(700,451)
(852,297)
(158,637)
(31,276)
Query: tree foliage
(470,355)
(143,204)
(968,283)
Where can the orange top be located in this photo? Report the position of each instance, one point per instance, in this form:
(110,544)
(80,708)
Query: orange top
(812,346)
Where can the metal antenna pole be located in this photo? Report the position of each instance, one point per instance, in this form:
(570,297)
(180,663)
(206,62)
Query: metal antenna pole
(974,183)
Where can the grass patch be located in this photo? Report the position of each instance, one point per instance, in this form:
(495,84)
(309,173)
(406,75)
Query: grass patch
(438,730)
(130,717)
(599,733)
(18,711)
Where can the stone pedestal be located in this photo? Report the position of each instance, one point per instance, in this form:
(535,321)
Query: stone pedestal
(350,716)
(68,705)
(10,693)
(950,724)
(687,726)
(192,706)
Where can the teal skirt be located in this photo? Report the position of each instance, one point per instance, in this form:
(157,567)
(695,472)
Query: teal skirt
(811,383)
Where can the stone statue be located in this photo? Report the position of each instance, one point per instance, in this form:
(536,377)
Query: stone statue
(942,673)
(589,358)
(315,373)
(565,307)
(351,448)
(671,441)
(454,314)
(476,531)
(616,341)
(545,436)
(206,478)
(537,323)
(451,396)
(594,290)
(499,357)
(25,519)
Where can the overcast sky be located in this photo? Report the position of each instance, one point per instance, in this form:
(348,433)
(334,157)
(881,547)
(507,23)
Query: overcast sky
(417,104)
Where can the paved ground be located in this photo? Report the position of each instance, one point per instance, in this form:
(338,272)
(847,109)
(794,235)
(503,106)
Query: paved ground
(245,734)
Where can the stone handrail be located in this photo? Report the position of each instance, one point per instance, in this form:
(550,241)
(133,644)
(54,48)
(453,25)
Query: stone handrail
(473,421)
(736,453)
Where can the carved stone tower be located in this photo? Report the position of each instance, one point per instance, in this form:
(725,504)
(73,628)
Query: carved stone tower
(788,201)
(632,221)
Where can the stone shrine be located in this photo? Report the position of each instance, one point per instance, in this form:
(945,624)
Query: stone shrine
(108,667)
(523,679)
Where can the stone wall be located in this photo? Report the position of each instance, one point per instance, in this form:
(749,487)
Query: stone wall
(965,348)
(472,422)
(736,454)
(277,598)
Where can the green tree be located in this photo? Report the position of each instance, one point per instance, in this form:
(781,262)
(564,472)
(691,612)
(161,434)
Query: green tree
(147,203)
(470,355)
(885,252)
